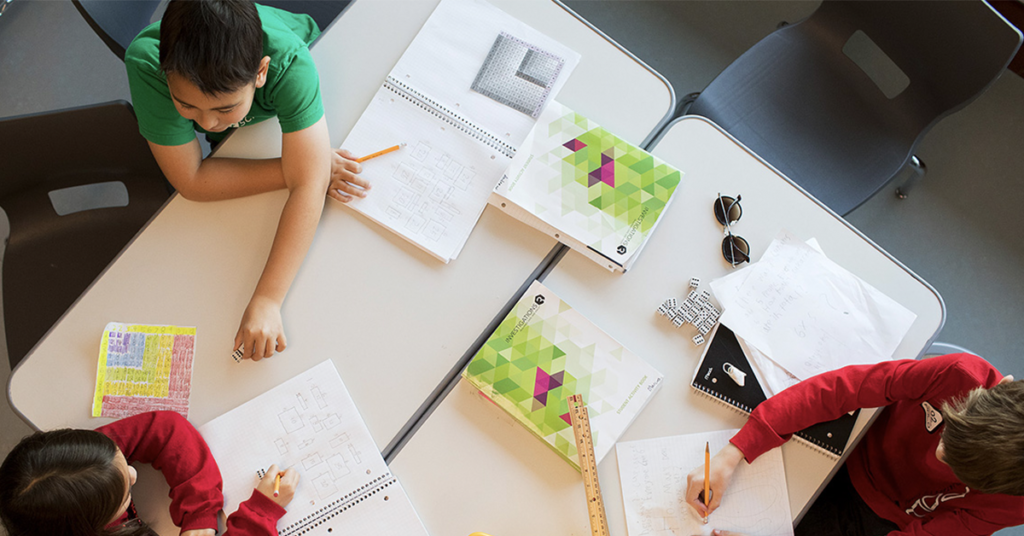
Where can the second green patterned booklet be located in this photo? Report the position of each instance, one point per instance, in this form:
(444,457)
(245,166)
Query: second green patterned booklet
(586,187)
(543,352)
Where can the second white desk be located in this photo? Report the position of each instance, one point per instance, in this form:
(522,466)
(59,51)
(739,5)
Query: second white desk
(472,468)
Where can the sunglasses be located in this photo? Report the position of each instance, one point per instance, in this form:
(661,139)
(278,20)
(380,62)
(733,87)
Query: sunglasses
(728,211)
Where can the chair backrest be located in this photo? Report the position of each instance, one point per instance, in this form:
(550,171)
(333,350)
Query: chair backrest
(117,22)
(803,100)
(56,249)
(950,51)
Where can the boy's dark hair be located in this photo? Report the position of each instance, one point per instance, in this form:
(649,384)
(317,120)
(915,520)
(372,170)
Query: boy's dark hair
(63,482)
(983,438)
(216,45)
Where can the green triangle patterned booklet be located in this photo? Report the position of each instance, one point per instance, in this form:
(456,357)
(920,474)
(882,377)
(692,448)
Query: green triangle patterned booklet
(543,352)
(589,189)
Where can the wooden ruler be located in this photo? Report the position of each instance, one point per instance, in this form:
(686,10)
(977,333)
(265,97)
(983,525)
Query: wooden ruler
(588,465)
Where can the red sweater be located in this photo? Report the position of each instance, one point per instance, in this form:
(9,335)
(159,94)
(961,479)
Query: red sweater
(174,447)
(894,468)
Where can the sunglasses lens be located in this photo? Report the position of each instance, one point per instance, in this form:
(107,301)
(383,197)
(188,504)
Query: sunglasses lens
(735,249)
(727,206)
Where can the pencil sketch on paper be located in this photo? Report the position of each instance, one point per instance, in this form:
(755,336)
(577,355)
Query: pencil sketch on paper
(653,476)
(308,439)
(429,179)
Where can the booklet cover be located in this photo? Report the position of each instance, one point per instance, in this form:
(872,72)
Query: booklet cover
(604,193)
(543,352)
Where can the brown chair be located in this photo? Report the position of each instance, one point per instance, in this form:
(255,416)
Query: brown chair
(78,184)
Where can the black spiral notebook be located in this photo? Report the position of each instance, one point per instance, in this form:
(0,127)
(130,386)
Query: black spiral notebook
(711,379)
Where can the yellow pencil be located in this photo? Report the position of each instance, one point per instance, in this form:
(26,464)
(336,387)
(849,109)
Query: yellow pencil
(380,153)
(277,485)
(707,479)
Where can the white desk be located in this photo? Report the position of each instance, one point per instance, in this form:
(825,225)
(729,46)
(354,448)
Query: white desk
(471,468)
(393,319)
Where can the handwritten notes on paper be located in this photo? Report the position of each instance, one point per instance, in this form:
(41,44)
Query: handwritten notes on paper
(653,475)
(143,368)
(807,313)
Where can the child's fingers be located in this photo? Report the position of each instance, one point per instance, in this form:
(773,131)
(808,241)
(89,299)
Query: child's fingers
(282,342)
(290,477)
(238,343)
(345,153)
(356,180)
(267,344)
(695,490)
(338,195)
(348,187)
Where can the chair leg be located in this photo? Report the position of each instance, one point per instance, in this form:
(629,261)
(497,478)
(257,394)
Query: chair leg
(684,105)
(919,169)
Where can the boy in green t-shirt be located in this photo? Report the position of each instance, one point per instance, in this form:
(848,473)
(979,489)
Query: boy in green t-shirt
(215,65)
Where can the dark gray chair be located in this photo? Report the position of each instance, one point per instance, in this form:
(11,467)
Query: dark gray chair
(842,132)
(117,22)
(78,184)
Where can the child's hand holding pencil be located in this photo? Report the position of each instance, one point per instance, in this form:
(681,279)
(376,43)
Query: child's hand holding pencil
(346,184)
(279,486)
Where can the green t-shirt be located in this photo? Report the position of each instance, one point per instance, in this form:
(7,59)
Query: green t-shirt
(292,90)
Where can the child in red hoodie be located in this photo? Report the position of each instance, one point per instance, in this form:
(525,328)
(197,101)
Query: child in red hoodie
(78,482)
(945,457)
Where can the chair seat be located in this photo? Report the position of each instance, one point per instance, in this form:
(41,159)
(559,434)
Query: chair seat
(50,260)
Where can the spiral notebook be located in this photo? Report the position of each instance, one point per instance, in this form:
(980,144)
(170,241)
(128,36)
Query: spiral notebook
(586,187)
(311,424)
(710,379)
(461,99)
(543,352)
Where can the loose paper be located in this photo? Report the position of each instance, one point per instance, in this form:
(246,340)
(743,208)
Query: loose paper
(808,314)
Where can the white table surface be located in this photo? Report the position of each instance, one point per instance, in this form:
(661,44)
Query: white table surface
(472,468)
(393,319)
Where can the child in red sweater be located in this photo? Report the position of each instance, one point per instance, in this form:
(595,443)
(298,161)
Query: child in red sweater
(946,456)
(78,482)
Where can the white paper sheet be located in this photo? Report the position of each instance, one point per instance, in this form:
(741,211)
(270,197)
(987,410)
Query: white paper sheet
(458,141)
(653,476)
(807,313)
(311,424)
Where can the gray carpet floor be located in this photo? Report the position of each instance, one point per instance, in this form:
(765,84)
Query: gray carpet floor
(961,229)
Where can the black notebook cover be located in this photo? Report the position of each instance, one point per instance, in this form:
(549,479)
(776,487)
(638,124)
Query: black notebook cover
(711,379)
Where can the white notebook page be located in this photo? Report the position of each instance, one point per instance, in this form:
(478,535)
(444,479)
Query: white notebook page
(311,424)
(653,476)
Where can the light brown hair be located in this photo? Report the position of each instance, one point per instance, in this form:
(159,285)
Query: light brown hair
(983,438)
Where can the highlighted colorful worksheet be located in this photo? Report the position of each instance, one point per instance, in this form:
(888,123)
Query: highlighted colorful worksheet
(143,368)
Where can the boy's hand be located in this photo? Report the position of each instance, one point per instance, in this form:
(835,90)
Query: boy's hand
(345,183)
(262,330)
(723,465)
(289,479)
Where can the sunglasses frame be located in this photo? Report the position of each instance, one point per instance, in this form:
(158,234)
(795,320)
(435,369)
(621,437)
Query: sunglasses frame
(735,248)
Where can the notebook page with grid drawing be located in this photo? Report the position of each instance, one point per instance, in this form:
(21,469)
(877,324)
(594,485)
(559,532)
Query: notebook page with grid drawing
(310,423)
(463,97)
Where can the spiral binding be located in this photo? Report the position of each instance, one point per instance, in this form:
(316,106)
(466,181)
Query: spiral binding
(808,441)
(718,397)
(443,113)
(338,506)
